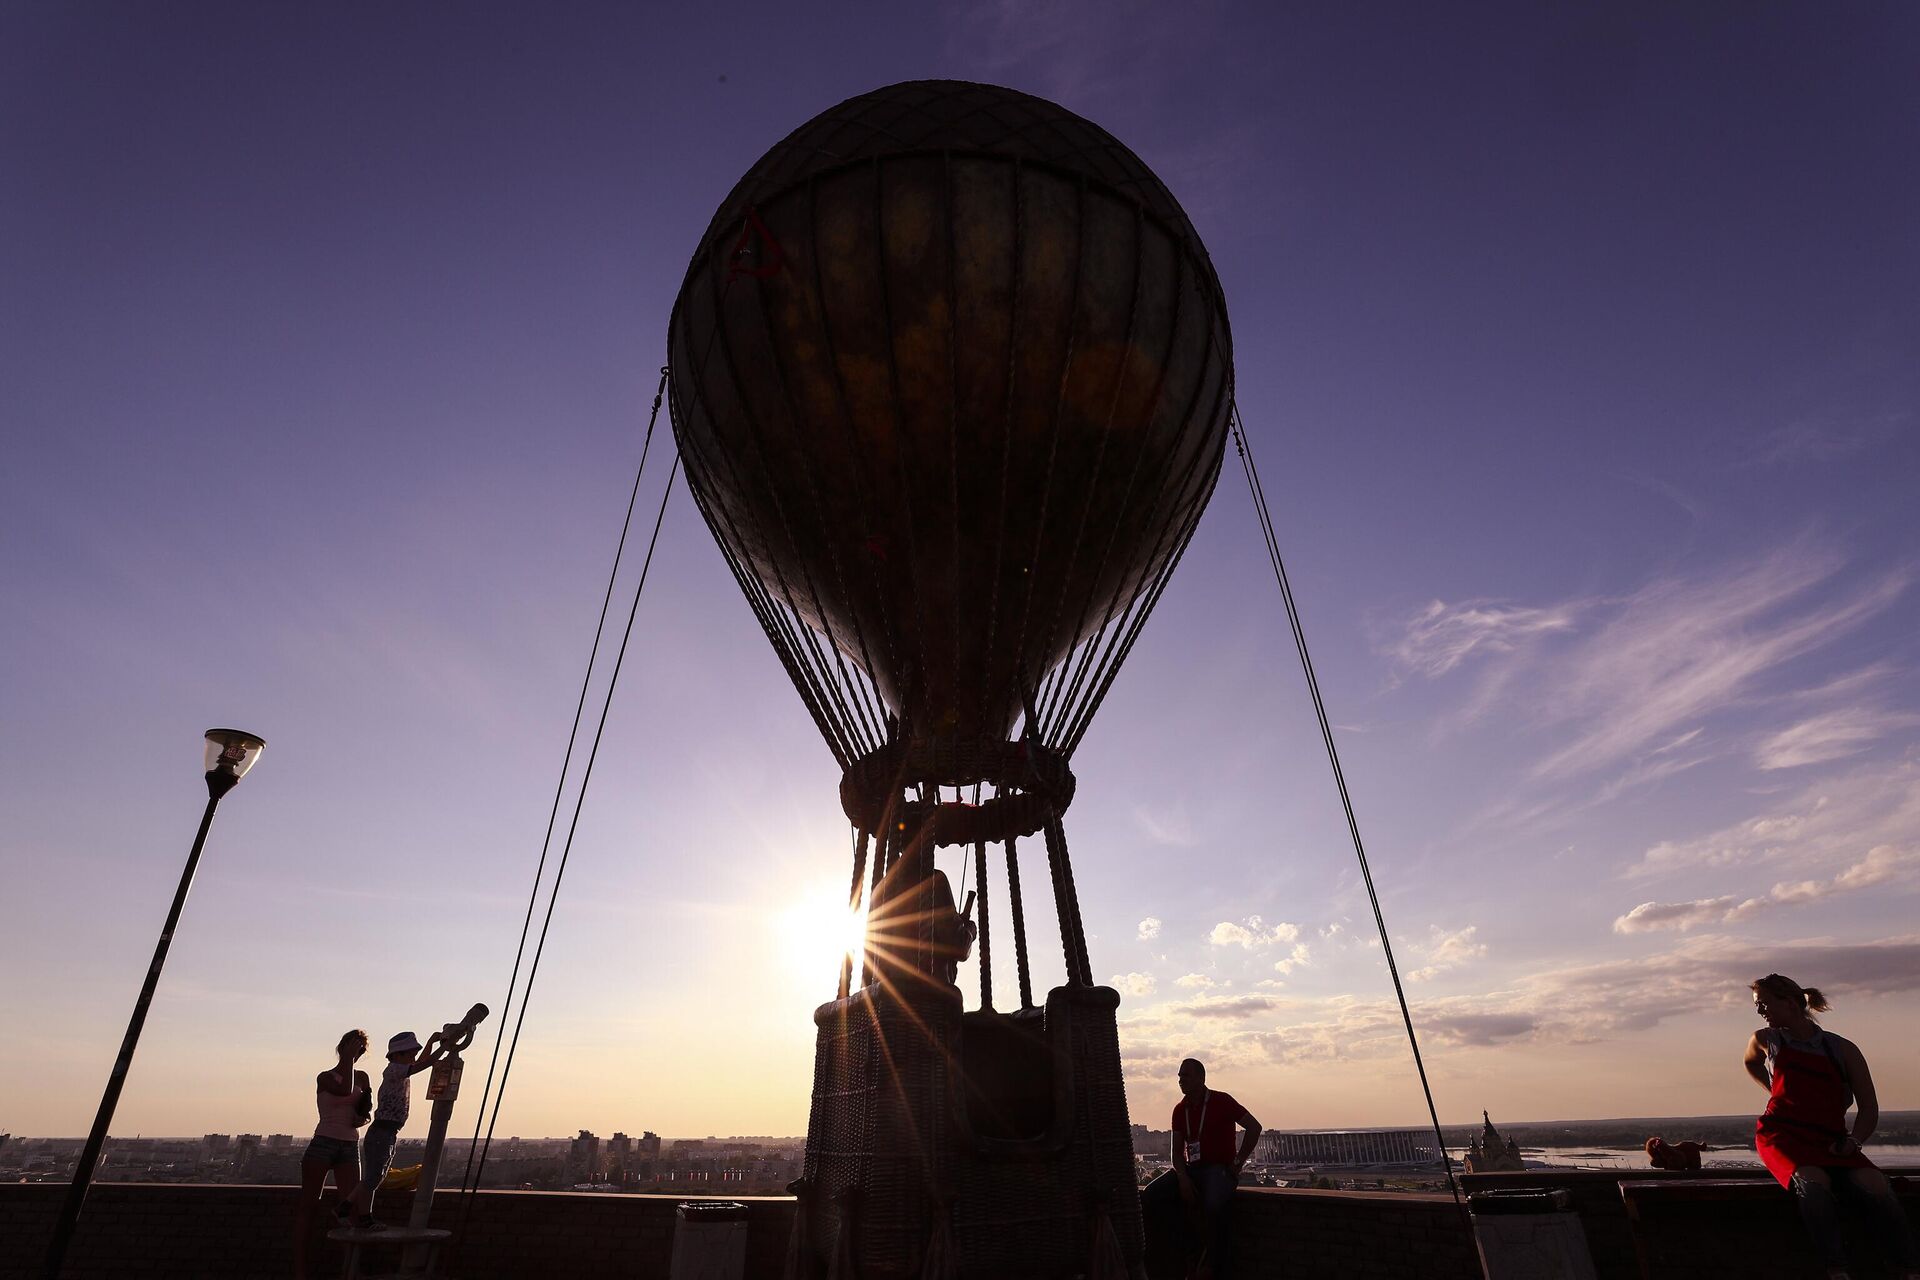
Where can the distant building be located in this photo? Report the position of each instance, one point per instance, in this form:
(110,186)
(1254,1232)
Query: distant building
(648,1148)
(216,1144)
(1341,1147)
(1490,1153)
(583,1155)
(279,1141)
(1152,1142)
(620,1148)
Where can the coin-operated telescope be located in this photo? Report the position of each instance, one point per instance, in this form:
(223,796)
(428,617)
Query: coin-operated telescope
(444,1047)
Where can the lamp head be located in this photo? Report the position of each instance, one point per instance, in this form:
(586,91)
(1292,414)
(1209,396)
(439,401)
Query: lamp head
(230,753)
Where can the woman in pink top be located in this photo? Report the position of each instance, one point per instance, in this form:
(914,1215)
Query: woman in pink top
(345,1100)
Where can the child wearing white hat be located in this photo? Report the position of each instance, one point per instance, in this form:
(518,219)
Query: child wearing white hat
(405,1059)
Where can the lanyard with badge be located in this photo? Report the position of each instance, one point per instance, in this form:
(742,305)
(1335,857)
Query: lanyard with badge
(1193,1130)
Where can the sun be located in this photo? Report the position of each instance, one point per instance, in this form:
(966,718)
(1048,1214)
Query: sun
(817,932)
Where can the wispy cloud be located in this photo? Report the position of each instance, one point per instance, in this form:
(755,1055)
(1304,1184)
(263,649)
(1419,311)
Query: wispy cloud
(1126,63)
(1827,825)
(1441,636)
(1149,929)
(1823,440)
(1195,981)
(1134,984)
(1170,826)
(1832,735)
(1680,651)
(1636,680)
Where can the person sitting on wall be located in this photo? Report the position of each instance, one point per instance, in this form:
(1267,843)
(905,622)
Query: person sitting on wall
(1811,1077)
(1207,1162)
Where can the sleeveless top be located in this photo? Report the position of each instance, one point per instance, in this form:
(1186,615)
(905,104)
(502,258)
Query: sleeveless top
(1806,1105)
(339,1113)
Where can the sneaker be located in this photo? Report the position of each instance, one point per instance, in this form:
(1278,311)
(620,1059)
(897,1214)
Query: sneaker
(343,1210)
(367,1222)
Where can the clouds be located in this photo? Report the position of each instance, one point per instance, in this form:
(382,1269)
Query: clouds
(1171,826)
(1832,735)
(1195,982)
(1678,651)
(1447,951)
(1884,864)
(1833,822)
(1618,681)
(1299,955)
(1229,1007)
(1252,933)
(1442,636)
(1689,996)
(1149,929)
(1650,916)
(1465,1028)
(1134,984)
(1572,1005)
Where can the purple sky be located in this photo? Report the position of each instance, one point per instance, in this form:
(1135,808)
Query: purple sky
(1578,343)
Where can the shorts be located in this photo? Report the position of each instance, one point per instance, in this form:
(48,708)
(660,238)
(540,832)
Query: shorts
(332,1152)
(378,1155)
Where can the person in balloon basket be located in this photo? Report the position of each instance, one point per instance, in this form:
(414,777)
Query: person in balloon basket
(1811,1077)
(406,1058)
(1208,1155)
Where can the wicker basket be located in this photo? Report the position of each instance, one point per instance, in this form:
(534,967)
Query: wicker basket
(1024,1141)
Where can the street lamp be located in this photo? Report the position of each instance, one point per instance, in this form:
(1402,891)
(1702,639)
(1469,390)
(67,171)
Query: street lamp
(230,753)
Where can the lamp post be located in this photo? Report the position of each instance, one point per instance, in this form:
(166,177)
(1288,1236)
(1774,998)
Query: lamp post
(230,753)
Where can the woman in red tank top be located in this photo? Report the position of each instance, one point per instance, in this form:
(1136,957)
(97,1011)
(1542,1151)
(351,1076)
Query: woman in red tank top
(1811,1077)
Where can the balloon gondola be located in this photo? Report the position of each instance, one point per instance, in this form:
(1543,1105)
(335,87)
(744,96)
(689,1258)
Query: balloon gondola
(950,376)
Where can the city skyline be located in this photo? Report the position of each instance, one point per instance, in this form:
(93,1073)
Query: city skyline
(1578,349)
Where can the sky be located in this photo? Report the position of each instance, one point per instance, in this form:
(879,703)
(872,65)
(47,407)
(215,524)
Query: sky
(1578,344)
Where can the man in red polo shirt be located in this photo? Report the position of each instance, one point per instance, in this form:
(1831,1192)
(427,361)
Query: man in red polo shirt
(1206,1158)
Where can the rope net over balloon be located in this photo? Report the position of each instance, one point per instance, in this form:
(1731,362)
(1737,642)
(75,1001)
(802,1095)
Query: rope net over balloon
(951,373)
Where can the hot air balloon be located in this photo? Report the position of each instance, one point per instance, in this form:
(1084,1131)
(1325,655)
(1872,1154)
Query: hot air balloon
(950,375)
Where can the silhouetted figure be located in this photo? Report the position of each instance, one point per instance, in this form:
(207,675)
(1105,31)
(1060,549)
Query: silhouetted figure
(1811,1077)
(345,1101)
(405,1059)
(1207,1159)
(953,932)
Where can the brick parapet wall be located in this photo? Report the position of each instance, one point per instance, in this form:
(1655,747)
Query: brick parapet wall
(1376,1235)
(1750,1237)
(198,1232)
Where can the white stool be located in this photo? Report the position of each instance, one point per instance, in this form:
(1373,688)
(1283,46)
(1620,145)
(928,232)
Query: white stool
(428,1238)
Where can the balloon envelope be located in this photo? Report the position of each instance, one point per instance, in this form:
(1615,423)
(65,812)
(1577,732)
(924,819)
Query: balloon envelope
(950,376)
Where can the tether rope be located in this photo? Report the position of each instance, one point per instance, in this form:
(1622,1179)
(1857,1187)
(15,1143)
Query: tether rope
(566,849)
(1265,516)
(566,764)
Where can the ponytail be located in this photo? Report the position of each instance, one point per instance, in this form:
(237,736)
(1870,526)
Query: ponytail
(1780,987)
